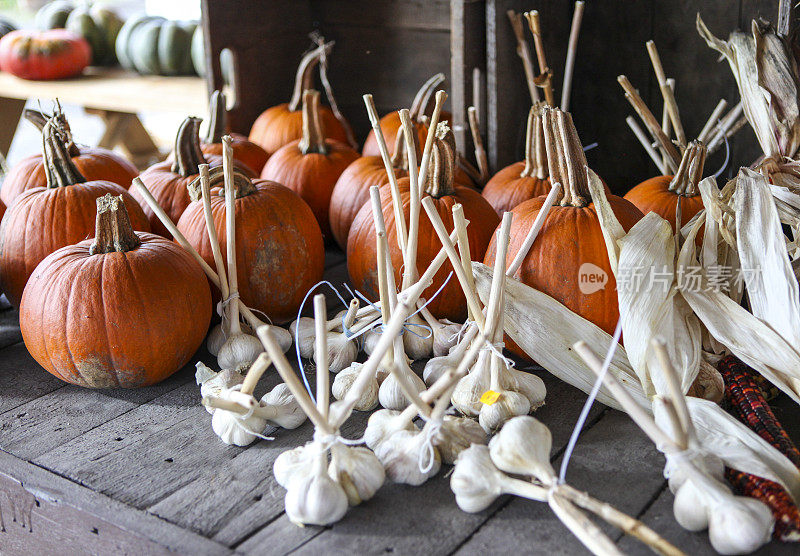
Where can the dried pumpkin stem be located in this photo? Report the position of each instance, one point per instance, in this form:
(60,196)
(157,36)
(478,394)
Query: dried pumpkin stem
(530,163)
(460,223)
(667,93)
(211,228)
(690,171)
(433,131)
(313,139)
(477,141)
(59,168)
(524,53)
(303,80)
(442,171)
(217,125)
(230,231)
(39,119)
(545,79)
(566,160)
(321,354)
(113,230)
(188,155)
(419,106)
(242,185)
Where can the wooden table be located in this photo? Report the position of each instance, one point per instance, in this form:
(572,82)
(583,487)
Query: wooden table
(113,94)
(141,472)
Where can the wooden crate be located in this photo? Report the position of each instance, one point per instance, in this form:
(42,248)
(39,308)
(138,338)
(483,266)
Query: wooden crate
(389,47)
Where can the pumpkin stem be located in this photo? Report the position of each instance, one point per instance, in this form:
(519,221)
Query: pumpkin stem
(423,97)
(39,120)
(565,159)
(113,230)
(313,140)
(188,155)
(690,170)
(442,169)
(400,157)
(535,155)
(242,184)
(60,169)
(219,117)
(304,79)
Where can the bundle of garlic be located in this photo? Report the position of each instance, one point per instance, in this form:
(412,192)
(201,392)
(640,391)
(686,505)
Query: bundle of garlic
(237,416)
(699,439)
(522,448)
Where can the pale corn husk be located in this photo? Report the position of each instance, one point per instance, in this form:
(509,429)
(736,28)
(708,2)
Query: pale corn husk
(546,330)
(613,231)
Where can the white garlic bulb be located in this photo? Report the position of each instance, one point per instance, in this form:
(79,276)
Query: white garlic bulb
(303,332)
(344,381)
(357,470)
(239,351)
(290,462)
(467,394)
(509,404)
(216,338)
(677,472)
(456,435)
(288,414)
(690,507)
(341,352)
(370,340)
(233,428)
(282,336)
(445,337)
(213,387)
(436,367)
(391,396)
(314,498)
(522,447)
(417,341)
(740,526)
(382,424)
(475,481)
(527,384)
(401,455)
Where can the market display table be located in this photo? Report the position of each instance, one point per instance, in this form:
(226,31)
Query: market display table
(113,94)
(141,472)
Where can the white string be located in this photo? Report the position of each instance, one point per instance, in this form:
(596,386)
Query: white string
(428,451)
(497,350)
(573,439)
(241,418)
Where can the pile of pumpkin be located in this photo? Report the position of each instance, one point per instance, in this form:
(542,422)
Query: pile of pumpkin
(69,36)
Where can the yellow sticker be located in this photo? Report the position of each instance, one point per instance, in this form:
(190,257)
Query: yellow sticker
(490,397)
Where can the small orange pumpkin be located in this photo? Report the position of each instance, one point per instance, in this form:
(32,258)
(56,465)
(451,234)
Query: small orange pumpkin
(311,166)
(126,309)
(45,219)
(662,194)
(571,235)
(280,254)
(523,180)
(282,124)
(440,185)
(244,151)
(94,163)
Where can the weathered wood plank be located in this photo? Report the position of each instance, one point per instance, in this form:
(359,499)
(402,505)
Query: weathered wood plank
(22,379)
(9,324)
(43,513)
(467,51)
(409,14)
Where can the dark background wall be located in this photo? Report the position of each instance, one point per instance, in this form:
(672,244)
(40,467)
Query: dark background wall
(389,47)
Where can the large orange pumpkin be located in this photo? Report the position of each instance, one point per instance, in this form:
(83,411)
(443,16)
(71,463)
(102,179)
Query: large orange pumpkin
(311,166)
(282,124)
(279,248)
(571,241)
(94,163)
(126,309)
(662,194)
(361,248)
(45,219)
(244,151)
(523,180)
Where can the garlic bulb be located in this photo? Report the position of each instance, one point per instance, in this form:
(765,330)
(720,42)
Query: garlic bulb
(417,341)
(436,367)
(401,454)
(690,507)
(239,351)
(677,472)
(232,428)
(216,338)
(527,384)
(740,526)
(302,331)
(314,498)
(344,381)
(382,424)
(341,352)
(509,404)
(522,447)
(475,481)
(282,336)
(456,435)
(467,394)
(288,413)
(213,386)
(391,396)
(357,470)
(445,337)
(290,462)
(371,340)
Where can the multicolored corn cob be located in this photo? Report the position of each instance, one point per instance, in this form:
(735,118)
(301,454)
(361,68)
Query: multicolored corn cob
(745,400)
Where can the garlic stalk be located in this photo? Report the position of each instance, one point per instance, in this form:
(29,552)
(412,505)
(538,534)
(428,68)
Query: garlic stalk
(212,383)
(444,332)
(341,350)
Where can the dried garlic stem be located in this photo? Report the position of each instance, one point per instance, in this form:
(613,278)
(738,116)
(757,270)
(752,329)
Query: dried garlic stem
(254,373)
(477,141)
(230,231)
(674,385)
(587,532)
(666,123)
(410,254)
(460,223)
(321,355)
(494,309)
(712,120)
(572,51)
(397,205)
(667,93)
(524,53)
(205,186)
(545,74)
(645,142)
(530,238)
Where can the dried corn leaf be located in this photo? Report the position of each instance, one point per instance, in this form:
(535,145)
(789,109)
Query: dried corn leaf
(651,307)
(612,229)
(546,330)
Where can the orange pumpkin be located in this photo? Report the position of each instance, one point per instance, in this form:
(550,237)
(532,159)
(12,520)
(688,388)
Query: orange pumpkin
(45,219)
(282,124)
(244,151)
(279,248)
(440,185)
(126,309)
(94,163)
(391,125)
(311,166)
(662,194)
(571,236)
(523,180)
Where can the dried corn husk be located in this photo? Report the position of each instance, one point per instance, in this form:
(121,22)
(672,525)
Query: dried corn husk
(546,330)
